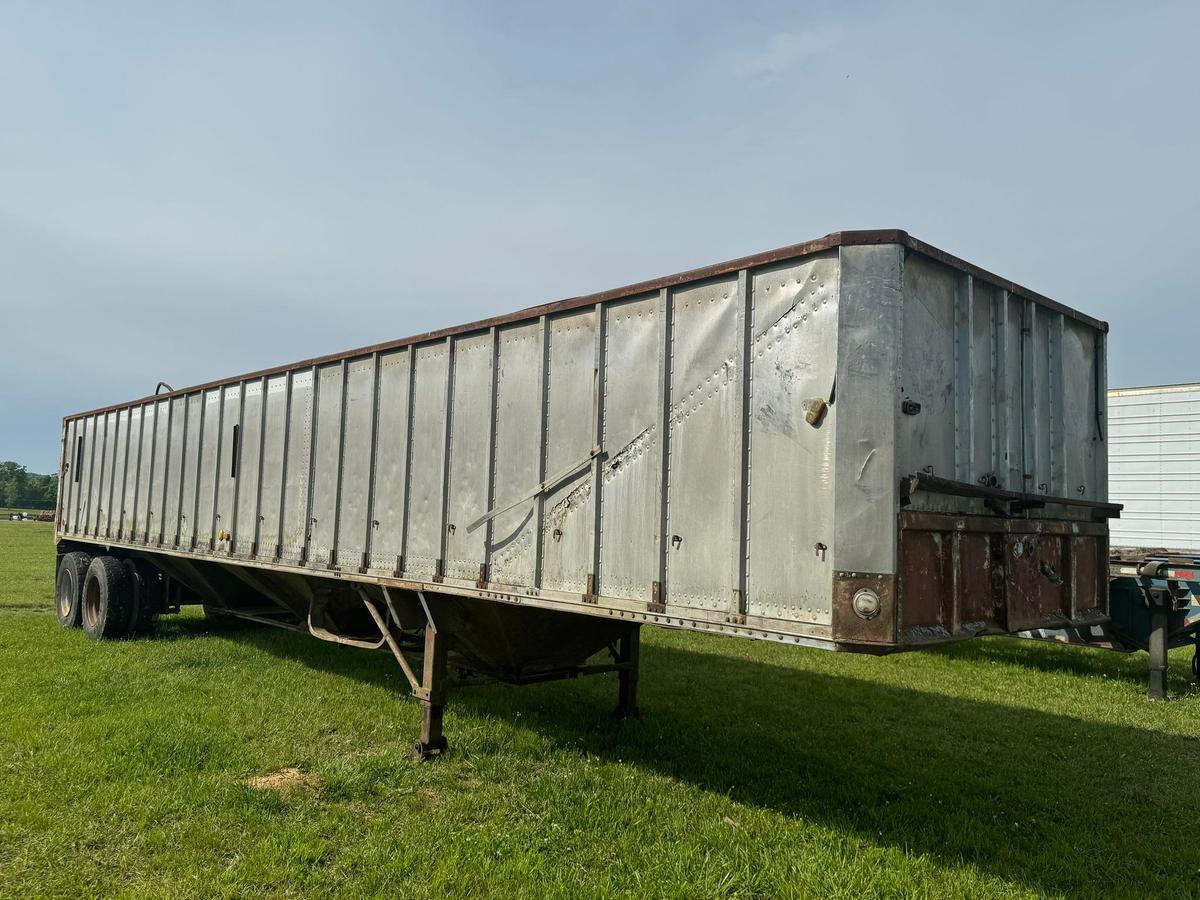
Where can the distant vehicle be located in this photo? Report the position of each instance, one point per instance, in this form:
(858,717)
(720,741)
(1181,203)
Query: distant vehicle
(856,443)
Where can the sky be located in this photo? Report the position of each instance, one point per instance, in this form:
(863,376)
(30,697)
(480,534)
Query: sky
(192,191)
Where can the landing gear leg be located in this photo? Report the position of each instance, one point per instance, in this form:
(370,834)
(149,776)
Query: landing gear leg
(1158,647)
(432,693)
(628,657)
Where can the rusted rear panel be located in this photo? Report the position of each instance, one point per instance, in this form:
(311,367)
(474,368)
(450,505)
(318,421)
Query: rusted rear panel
(966,575)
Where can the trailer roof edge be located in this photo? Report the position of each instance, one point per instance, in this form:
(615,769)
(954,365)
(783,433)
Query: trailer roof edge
(830,241)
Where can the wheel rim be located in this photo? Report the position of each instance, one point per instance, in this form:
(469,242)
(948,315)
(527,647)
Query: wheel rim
(91,603)
(64,597)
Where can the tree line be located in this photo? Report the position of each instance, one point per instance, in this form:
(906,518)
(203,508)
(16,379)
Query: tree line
(22,489)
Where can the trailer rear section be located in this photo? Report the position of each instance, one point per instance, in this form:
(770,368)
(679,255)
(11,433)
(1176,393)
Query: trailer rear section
(858,443)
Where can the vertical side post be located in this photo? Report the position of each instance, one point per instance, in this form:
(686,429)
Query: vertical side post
(740,485)
(539,534)
(1001,395)
(629,656)
(137,475)
(447,451)
(599,397)
(315,391)
(369,536)
(256,545)
(283,468)
(236,452)
(183,445)
(658,592)
(964,420)
(493,400)
(1029,408)
(336,544)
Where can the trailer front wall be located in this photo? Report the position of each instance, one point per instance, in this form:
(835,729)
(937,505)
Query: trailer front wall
(1011,393)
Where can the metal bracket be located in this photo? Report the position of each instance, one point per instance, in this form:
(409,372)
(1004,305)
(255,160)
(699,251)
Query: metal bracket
(656,604)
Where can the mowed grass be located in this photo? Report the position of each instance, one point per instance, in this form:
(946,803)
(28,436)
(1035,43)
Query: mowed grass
(996,768)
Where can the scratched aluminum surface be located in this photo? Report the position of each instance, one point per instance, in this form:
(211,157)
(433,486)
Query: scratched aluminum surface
(712,448)
(793,359)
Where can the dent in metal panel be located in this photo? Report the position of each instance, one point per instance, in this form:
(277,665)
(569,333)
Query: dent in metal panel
(629,520)
(390,476)
(793,360)
(326,463)
(517,453)
(872,327)
(469,454)
(356,462)
(423,545)
(567,539)
(203,535)
(248,463)
(174,475)
(925,441)
(704,389)
(299,441)
(158,476)
(272,464)
(191,460)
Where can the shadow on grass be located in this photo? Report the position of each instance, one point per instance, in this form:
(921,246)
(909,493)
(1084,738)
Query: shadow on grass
(1052,802)
(1045,656)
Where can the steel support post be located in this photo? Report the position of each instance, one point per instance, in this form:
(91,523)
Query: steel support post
(629,658)
(432,742)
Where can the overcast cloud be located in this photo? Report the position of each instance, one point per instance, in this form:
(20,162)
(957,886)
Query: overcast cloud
(193,191)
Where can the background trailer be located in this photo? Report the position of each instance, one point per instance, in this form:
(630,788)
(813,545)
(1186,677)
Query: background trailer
(857,443)
(1154,471)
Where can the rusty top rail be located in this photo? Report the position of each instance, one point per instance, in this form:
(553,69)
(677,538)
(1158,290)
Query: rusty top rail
(828,242)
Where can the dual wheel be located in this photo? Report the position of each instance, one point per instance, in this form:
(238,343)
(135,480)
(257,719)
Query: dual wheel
(108,597)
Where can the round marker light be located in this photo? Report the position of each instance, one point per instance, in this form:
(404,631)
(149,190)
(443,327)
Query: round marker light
(866,604)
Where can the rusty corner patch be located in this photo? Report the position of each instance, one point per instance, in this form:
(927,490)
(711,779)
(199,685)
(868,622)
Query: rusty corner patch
(878,627)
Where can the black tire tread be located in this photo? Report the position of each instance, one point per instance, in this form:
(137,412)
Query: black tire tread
(73,565)
(116,599)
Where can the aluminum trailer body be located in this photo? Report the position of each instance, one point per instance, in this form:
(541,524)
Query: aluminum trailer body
(857,443)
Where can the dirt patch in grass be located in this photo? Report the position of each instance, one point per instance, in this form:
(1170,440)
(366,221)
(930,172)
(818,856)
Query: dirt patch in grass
(285,781)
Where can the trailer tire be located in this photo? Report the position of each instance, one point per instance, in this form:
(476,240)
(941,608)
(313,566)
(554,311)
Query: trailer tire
(146,600)
(68,588)
(107,599)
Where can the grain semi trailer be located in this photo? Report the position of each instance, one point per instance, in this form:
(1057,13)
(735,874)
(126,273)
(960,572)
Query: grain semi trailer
(857,443)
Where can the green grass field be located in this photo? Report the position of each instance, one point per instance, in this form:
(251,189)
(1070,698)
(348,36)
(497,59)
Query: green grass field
(241,762)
